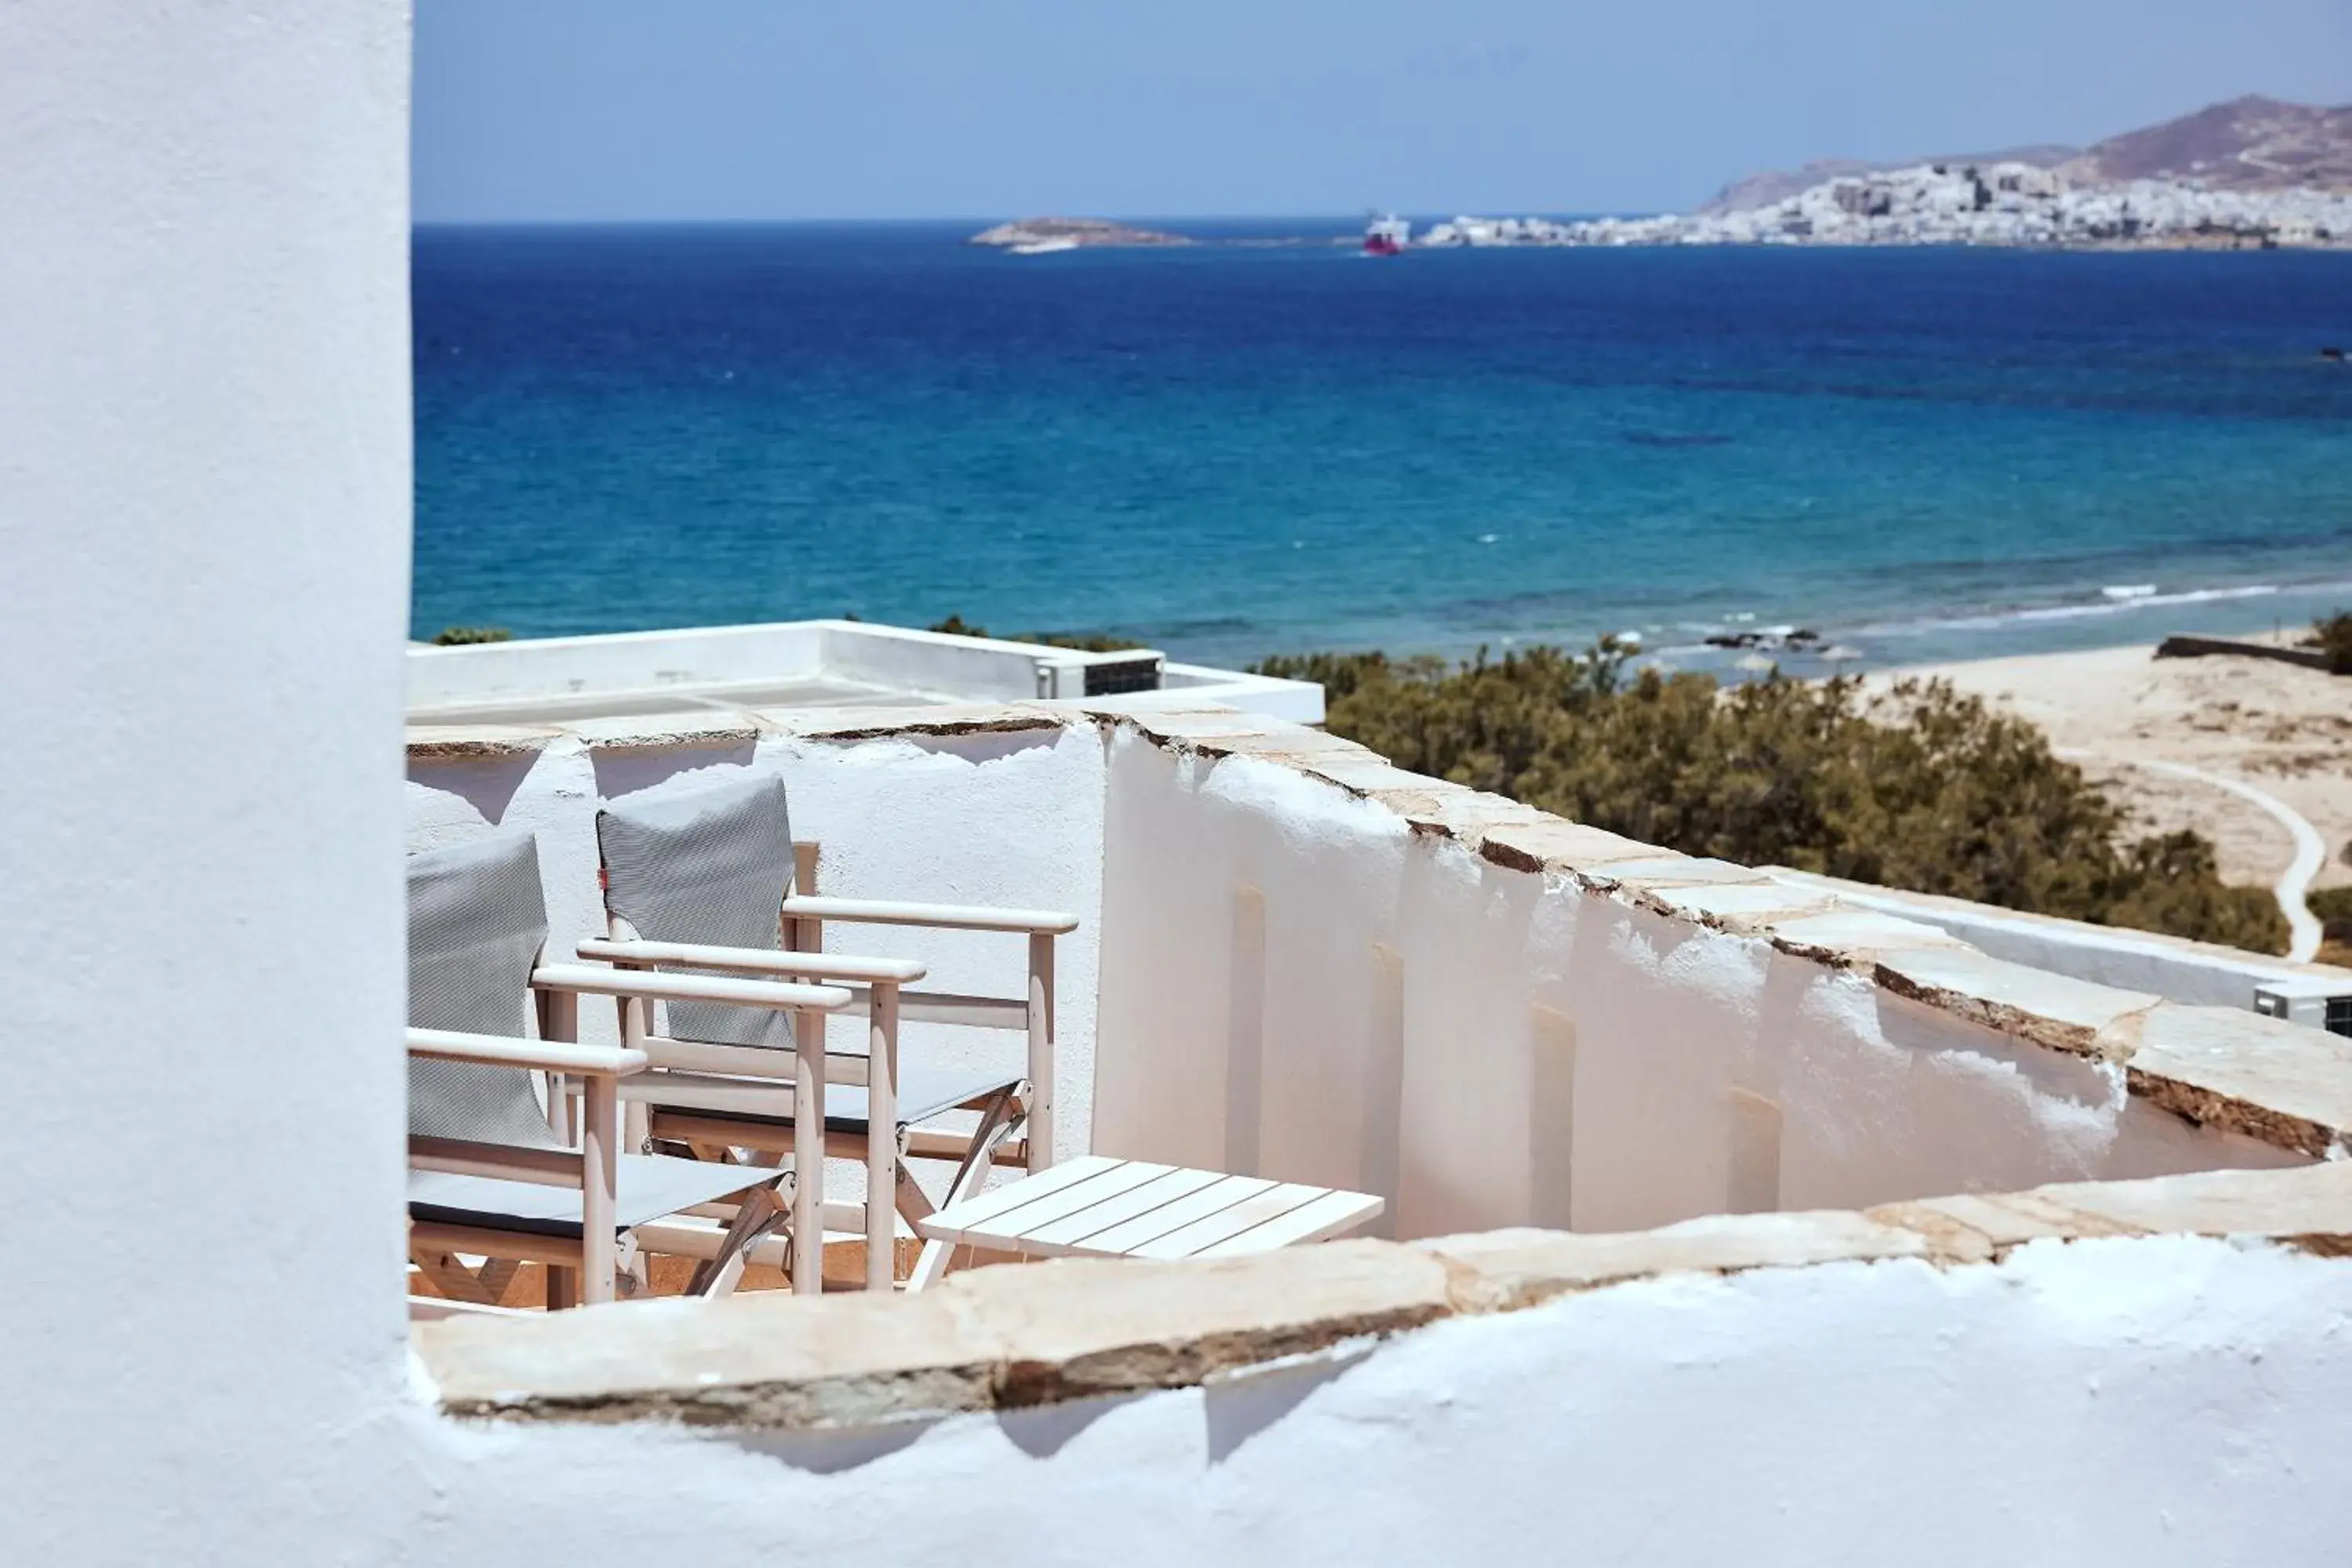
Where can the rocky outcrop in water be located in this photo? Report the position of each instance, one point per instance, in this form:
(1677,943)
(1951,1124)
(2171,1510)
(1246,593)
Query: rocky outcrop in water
(1068,233)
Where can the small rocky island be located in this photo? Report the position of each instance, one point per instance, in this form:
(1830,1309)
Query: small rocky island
(1036,235)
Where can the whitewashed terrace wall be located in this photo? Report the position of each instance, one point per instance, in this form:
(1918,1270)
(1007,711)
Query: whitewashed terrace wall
(707,660)
(1279,976)
(1297,984)
(2170,1401)
(898,657)
(621,661)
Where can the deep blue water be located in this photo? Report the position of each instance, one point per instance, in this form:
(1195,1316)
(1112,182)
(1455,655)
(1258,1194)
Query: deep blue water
(1242,449)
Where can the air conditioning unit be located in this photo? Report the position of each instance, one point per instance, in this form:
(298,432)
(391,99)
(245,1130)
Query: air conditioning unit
(1071,673)
(2316,1003)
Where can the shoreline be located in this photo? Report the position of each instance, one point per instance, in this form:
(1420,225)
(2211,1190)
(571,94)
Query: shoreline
(2287,636)
(2241,612)
(2084,624)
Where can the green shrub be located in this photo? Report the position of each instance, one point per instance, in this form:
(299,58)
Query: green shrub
(466,636)
(2332,636)
(1926,789)
(2334,908)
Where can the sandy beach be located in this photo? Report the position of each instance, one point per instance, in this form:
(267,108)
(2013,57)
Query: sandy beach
(2283,729)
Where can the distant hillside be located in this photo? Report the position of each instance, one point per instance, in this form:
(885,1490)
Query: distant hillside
(2248,144)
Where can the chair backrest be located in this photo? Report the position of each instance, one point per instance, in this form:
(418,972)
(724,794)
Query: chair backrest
(708,864)
(477,921)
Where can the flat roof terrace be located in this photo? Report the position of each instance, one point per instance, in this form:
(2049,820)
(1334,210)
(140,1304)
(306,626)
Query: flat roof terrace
(710,697)
(806,664)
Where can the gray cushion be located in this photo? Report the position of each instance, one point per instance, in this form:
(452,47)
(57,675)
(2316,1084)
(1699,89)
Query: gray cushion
(923,1092)
(711,864)
(650,1187)
(477,921)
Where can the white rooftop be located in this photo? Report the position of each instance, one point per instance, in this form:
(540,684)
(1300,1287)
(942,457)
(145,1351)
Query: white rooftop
(808,664)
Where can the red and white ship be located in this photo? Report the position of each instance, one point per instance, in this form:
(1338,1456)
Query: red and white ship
(1387,235)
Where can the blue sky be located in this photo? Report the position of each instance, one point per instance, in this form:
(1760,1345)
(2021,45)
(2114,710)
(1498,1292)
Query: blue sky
(565,109)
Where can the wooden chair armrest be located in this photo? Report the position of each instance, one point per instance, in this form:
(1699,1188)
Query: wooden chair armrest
(545,1055)
(754,961)
(943,917)
(580,979)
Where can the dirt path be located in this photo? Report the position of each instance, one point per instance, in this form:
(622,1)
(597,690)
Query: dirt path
(2310,853)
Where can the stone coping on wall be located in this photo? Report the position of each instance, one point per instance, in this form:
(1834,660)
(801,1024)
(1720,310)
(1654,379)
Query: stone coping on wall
(2286,1084)
(1019,1335)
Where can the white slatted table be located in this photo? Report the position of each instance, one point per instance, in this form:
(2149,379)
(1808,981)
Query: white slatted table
(1096,1206)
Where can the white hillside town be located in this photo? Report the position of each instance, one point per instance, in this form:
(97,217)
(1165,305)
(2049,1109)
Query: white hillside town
(2011,204)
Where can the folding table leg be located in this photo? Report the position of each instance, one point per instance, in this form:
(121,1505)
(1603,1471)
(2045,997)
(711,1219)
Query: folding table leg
(930,1264)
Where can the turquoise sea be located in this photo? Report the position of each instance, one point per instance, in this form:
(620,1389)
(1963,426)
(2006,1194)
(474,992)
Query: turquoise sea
(1272,443)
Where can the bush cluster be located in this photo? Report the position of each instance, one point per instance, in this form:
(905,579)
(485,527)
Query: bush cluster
(2334,908)
(2332,636)
(1923,788)
(467,637)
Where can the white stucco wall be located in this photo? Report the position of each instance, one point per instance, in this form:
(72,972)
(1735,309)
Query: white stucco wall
(896,659)
(2172,1402)
(203,535)
(1295,986)
(618,661)
(562,674)
(1299,702)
